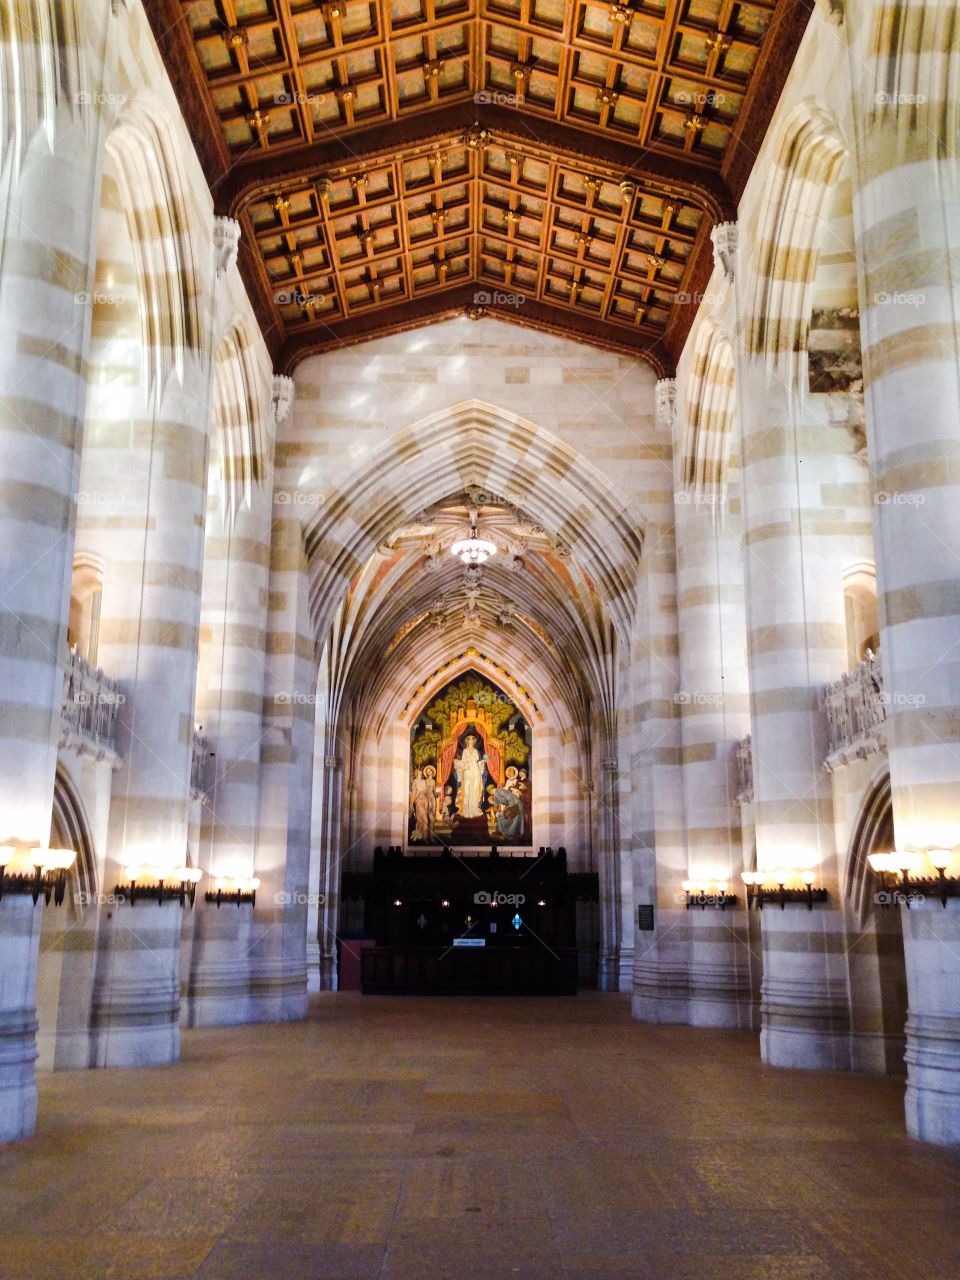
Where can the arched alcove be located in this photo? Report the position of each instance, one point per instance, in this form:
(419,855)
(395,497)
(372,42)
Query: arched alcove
(878,967)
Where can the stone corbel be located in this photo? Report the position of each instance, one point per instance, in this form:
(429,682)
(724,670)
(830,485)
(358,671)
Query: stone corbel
(226,241)
(725,238)
(832,10)
(281,397)
(666,401)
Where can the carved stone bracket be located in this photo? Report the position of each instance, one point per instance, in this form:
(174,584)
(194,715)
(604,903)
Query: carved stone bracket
(743,755)
(281,397)
(226,242)
(666,401)
(725,239)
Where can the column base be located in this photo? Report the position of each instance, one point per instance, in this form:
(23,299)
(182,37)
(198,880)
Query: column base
(804,1026)
(18,1079)
(661,993)
(933,1079)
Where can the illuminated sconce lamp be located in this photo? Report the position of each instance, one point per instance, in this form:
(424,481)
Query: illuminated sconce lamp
(234,889)
(35,871)
(772,886)
(445,902)
(708,893)
(159,884)
(915,879)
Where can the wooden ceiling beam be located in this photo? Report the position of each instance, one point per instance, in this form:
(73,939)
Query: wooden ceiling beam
(251,176)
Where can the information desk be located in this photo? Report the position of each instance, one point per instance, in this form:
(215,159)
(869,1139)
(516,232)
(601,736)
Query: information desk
(470,970)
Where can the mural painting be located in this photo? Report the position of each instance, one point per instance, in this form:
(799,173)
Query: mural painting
(470,779)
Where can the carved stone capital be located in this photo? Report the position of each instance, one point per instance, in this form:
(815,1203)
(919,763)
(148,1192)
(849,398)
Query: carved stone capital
(725,236)
(281,397)
(666,400)
(226,241)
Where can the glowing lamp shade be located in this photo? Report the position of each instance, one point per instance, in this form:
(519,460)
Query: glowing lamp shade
(940,858)
(473,550)
(58,859)
(883,861)
(18,861)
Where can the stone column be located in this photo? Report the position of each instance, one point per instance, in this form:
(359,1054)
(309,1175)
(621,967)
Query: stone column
(279,972)
(714,710)
(798,539)
(230,708)
(47,225)
(907,205)
(661,960)
(149,633)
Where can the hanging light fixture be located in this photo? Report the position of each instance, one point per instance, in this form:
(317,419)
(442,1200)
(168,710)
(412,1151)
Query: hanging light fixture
(473,550)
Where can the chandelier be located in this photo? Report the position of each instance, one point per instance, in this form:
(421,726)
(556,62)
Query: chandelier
(473,550)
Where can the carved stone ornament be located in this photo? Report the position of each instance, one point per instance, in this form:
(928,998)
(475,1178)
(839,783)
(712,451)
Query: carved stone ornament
(724,237)
(666,399)
(226,241)
(282,397)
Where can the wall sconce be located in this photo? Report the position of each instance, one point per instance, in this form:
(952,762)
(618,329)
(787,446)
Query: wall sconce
(159,884)
(772,886)
(708,893)
(234,889)
(916,869)
(35,871)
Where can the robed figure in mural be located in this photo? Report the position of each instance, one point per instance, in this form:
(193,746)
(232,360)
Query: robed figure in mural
(422,803)
(469,768)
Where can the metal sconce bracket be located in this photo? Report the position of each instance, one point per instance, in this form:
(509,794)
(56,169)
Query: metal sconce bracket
(182,891)
(237,896)
(719,901)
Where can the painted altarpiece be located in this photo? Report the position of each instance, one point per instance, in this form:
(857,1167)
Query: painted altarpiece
(470,777)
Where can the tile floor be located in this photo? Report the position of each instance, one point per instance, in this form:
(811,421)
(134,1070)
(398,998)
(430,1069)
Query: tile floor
(428,1139)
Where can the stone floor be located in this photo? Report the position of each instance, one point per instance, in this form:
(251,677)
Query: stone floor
(474,1140)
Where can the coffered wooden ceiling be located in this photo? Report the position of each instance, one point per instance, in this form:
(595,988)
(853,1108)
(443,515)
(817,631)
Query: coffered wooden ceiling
(558,163)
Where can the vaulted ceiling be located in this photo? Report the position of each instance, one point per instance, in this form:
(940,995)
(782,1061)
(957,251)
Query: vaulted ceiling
(558,163)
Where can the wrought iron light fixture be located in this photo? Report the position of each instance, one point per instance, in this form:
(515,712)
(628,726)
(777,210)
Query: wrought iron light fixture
(153,883)
(35,871)
(708,893)
(773,886)
(922,874)
(234,889)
